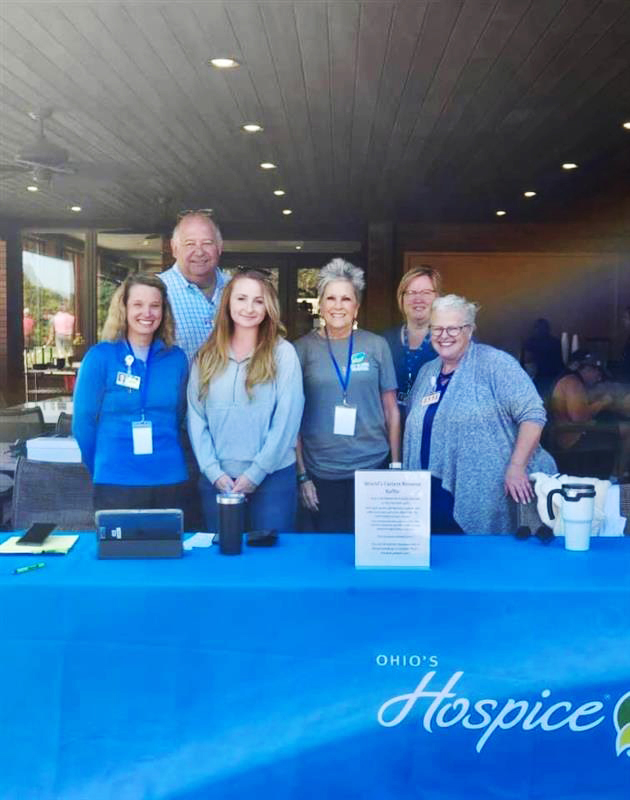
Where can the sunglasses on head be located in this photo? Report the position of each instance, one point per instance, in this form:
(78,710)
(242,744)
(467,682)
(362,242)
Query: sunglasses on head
(266,273)
(204,212)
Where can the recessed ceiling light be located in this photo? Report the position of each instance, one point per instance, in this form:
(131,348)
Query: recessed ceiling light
(223,63)
(569,165)
(298,246)
(279,192)
(75,208)
(32,188)
(252,127)
(626,125)
(267,165)
(529,194)
(501,213)
(287,211)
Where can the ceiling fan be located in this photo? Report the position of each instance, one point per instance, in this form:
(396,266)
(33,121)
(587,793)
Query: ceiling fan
(44,161)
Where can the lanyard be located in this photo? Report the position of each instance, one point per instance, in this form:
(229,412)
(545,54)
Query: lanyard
(344,382)
(144,383)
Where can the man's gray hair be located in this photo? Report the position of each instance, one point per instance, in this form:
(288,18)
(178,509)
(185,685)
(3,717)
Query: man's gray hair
(200,215)
(340,270)
(453,302)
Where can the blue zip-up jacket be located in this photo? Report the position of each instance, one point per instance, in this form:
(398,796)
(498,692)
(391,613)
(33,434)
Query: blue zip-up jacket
(234,434)
(103,414)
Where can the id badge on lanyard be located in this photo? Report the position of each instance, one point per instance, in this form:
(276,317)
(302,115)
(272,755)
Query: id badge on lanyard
(345,415)
(345,420)
(142,432)
(142,429)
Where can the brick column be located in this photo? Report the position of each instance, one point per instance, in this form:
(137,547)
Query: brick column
(11,302)
(380,300)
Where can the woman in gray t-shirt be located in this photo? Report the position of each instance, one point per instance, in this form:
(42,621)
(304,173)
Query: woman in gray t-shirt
(351,419)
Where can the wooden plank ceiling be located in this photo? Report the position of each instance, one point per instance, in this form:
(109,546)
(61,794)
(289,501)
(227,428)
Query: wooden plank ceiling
(416,111)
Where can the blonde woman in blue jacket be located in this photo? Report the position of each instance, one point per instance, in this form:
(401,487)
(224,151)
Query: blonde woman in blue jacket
(245,404)
(130,402)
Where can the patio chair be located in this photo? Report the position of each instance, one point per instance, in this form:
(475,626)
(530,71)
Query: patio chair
(19,423)
(46,491)
(64,425)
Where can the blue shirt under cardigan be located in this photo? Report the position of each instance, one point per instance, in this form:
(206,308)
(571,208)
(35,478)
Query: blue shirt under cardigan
(103,413)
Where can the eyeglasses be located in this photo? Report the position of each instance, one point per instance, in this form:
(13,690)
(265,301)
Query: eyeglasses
(452,330)
(544,534)
(204,212)
(425,294)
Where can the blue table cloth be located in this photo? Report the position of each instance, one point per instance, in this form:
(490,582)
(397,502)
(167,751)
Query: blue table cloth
(502,672)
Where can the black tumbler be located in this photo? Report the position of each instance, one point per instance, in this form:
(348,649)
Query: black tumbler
(231,522)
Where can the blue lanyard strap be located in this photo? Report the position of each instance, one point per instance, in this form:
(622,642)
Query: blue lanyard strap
(412,357)
(344,382)
(144,382)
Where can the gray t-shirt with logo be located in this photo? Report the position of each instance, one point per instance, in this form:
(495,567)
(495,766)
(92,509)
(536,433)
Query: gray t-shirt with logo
(326,454)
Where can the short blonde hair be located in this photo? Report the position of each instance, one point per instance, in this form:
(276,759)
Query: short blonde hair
(417,272)
(115,327)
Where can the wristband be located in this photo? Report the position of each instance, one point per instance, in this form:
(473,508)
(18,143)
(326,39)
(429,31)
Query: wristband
(303,477)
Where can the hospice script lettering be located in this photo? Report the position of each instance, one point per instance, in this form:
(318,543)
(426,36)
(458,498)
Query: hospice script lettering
(446,710)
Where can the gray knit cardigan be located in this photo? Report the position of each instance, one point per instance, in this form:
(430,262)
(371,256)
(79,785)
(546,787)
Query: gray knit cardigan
(474,432)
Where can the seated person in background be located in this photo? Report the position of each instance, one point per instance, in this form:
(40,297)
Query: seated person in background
(542,356)
(245,404)
(130,402)
(410,342)
(475,421)
(570,403)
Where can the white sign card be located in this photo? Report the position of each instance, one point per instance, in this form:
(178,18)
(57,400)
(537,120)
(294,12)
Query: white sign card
(392,519)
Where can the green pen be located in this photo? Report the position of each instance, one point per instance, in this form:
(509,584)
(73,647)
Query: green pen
(29,567)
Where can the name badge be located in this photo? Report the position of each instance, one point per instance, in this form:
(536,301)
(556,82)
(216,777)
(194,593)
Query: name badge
(345,420)
(142,432)
(429,399)
(127,380)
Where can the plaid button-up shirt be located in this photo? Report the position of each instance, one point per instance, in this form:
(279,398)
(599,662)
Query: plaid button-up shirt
(194,313)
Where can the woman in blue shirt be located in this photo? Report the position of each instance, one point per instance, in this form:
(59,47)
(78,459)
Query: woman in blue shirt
(245,404)
(130,402)
(410,342)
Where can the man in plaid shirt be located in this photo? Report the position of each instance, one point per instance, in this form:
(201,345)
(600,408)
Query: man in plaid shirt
(194,283)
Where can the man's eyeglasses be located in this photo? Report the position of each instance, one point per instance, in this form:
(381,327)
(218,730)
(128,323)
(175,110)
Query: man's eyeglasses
(425,294)
(204,212)
(452,330)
